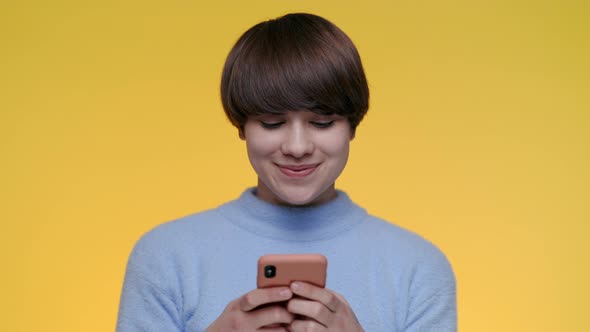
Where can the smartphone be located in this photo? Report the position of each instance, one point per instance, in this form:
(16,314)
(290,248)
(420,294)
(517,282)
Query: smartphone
(282,269)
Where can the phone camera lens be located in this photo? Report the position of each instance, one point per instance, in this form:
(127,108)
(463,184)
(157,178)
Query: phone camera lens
(270,271)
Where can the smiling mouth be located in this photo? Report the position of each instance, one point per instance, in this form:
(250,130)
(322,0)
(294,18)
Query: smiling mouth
(297,171)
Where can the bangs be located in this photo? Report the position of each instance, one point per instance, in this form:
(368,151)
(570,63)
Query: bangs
(297,62)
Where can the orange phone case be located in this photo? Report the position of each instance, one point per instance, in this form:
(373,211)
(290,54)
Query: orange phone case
(291,267)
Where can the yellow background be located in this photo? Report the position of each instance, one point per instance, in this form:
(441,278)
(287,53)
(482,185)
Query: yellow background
(477,138)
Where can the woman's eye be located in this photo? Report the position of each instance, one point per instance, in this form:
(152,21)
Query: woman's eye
(322,124)
(271,125)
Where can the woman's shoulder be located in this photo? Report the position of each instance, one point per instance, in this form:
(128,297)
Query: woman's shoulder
(171,235)
(401,241)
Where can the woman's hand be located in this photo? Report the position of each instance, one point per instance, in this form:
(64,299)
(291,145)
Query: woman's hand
(320,309)
(259,309)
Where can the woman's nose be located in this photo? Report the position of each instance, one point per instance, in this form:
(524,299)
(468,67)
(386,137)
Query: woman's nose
(297,142)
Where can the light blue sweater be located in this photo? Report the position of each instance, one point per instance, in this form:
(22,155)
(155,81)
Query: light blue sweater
(182,274)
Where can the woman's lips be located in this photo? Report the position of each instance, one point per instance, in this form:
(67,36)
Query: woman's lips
(297,171)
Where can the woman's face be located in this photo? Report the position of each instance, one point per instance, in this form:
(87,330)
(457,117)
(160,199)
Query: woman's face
(297,155)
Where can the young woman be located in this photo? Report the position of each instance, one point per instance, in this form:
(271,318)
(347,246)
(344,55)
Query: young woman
(295,89)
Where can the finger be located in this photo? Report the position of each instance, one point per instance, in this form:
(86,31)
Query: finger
(274,329)
(306,325)
(312,292)
(311,309)
(262,296)
(273,317)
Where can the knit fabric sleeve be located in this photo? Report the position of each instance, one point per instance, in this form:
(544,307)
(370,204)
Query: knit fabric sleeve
(148,302)
(433,304)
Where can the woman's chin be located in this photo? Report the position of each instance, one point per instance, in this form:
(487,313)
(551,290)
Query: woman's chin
(305,198)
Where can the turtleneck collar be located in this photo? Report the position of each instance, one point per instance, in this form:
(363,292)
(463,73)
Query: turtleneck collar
(300,224)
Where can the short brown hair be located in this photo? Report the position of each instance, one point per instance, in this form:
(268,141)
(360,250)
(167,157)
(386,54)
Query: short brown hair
(294,62)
